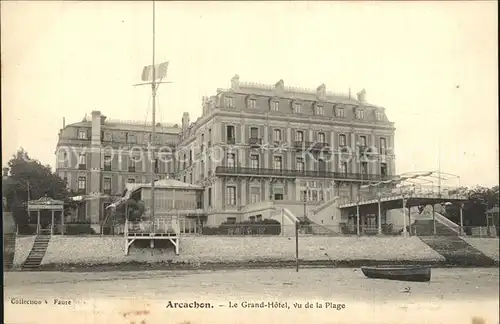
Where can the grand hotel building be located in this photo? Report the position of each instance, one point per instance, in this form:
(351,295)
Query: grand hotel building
(253,143)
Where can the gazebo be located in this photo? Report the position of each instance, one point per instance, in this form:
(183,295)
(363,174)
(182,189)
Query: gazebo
(52,205)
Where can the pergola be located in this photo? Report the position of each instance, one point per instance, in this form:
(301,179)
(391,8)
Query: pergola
(47,203)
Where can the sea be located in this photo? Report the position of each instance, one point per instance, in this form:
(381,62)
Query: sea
(311,295)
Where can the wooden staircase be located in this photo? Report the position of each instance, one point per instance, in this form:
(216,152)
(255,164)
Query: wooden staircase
(9,248)
(34,259)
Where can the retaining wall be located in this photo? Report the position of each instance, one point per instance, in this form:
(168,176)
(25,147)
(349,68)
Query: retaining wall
(108,250)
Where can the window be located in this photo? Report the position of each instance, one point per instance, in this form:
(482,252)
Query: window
(277,134)
(252,103)
(254,161)
(229,102)
(82,161)
(82,184)
(132,139)
(131,180)
(321,137)
(383,146)
(364,168)
(321,195)
(230,134)
(296,107)
(342,140)
(107,163)
(343,167)
(319,110)
(339,112)
(278,193)
(362,141)
(383,169)
(299,165)
(231,220)
(82,135)
(131,164)
(209,138)
(379,116)
(231,196)
(254,132)
(184,179)
(106,185)
(360,114)
(321,165)
(278,162)
(209,197)
(299,136)
(275,105)
(230,162)
(202,142)
(254,194)
(190,178)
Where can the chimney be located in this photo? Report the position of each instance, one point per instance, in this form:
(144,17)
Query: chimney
(362,96)
(64,122)
(321,91)
(235,82)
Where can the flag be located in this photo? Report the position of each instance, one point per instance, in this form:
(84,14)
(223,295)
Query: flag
(160,72)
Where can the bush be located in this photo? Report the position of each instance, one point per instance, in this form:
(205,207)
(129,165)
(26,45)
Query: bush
(261,227)
(78,229)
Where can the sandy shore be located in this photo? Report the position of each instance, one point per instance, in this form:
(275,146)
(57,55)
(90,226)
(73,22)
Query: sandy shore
(453,296)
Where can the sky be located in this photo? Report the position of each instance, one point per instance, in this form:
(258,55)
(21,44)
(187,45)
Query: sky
(432,65)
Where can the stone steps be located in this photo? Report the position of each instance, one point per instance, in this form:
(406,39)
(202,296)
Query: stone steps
(35,257)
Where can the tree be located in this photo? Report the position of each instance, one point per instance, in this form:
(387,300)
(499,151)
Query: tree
(479,200)
(29,174)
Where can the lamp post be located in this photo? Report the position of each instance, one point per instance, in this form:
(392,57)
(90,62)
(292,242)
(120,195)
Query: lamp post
(404,216)
(379,220)
(357,216)
(434,219)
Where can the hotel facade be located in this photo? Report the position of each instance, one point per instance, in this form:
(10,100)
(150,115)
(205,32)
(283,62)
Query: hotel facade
(254,144)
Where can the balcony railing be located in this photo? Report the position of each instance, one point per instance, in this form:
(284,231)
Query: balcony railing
(131,169)
(312,146)
(231,140)
(253,141)
(221,170)
(82,167)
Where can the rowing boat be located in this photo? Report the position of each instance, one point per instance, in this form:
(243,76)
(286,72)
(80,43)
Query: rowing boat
(402,273)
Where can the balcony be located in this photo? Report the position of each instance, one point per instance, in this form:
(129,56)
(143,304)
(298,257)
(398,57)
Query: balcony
(107,168)
(261,172)
(231,140)
(255,142)
(131,169)
(311,146)
(82,167)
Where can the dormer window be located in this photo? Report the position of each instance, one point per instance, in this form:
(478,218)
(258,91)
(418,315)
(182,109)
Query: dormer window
(318,110)
(275,105)
(229,102)
(360,114)
(339,112)
(82,135)
(252,103)
(296,107)
(379,116)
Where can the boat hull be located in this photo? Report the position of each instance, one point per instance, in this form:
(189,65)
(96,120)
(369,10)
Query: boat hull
(413,273)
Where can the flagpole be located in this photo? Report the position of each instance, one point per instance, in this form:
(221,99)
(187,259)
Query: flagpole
(153,140)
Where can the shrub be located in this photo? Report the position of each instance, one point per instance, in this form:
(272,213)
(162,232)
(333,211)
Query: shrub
(261,227)
(78,229)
